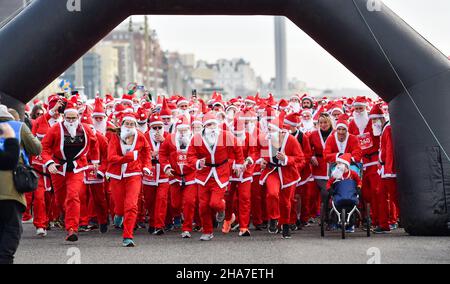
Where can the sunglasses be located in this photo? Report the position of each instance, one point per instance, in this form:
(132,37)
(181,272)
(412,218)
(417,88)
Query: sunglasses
(157,128)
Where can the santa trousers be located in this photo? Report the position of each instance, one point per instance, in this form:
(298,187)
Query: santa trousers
(243,191)
(161,205)
(370,181)
(387,203)
(184,200)
(258,202)
(150,202)
(36,203)
(278,200)
(67,196)
(97,195)
(212,200)
(125,193)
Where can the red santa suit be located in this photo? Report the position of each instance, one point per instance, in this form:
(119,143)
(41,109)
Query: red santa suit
(387,193)
(183,188)
(334,148)
(125,170)
(242,184)
(60,148)
(281,177)
(156,186)
(42,210)
(214,177)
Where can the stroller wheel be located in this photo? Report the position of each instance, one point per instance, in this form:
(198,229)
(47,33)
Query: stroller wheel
(343,218)
(322,220)
(369,220)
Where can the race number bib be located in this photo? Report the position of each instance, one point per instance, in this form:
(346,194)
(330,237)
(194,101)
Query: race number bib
(91,176)
(181,158)
(365,141)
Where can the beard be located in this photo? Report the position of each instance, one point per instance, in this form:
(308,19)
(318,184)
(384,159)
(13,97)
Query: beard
(167,126)
(377,129)
(211,135)
(72,128)
(154,132)
(361,120)
(143,127)
(308,125)
(126,132)
(183,139)
(100,126)
(295,106)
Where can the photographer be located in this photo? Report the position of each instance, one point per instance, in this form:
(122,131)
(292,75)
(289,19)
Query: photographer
(13,135)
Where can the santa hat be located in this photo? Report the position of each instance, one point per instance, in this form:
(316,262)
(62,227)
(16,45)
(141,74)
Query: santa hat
(230,107)
(27,108)
(337,106)
(183,122)
(346,159)
(360,101)
(296,96)
(218,101)
(52,100)
(247,114)
(233,101)
(318,113)
(276,124)
(155,120)
(99,110)
(127,116)
(376,112)
(142,115)
(109,100)
(182,101)
(269,113)
(210,117)
(197,120)
(292,119)
(307,97)
(342,121)
(250,99)
(37,102)
(71,106)
(282,104)
(119,109)
(127,99)
(165,112)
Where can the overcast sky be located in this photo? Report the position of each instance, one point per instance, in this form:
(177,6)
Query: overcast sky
(213,37)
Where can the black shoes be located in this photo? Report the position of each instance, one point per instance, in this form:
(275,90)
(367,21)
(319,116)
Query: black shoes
(286,232)
(273,226)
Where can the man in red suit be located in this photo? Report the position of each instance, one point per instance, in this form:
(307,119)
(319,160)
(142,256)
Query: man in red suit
(361,127)
(183,188)
(212,152)
(283,160)
(128,160)
(387,201)
(65,149)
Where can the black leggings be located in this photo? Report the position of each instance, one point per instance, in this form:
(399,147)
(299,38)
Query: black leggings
(10,229)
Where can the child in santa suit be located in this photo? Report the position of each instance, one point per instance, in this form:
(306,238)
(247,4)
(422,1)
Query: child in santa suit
(343,172)
(183,188)
(283,158)
(212,152)
(128,160)
(387,201)
(65,149)
(241,184)
(156,186)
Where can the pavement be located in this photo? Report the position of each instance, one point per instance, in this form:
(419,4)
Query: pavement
(306,246)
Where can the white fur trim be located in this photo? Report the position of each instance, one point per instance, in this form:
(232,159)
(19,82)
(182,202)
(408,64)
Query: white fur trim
(210,121)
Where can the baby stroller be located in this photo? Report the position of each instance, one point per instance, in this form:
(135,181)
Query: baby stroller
(341,207)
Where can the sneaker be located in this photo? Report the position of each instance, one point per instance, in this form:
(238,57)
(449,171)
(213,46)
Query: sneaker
(311,221)
(83,229)
(235,227)
(151,230)
(350,229)
(286,233)
(332,227)
(273,226)
(186,235)
(71,236)
(158,232)
(220,216)
(393,227)
(41,232)
(128,243)
(177,222)
(169,227)
(118,222)
(141,225)
(293,227)
(29,221)
(306,224)
(196,228)
(244,233)
(226,228)
(206,237)
(103,228)
(93,226)
(379,230)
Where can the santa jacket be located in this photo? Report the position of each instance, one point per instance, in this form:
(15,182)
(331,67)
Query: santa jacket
(133,163)
(387,158)
(53,149)
(368,142)
(171,156)
(218,158)
(351,145)
(157,176)
(288,171)
(317,147)
(305,172)
(249,148)
(89,177)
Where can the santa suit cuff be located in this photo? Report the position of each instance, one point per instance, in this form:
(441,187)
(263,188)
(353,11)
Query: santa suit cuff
(95,162)
(51,113)
(167,167)
(250,160)
(197,165)
(135,155)
(259,161)
(101,174)
(49,163)
(284,163)
(147,171)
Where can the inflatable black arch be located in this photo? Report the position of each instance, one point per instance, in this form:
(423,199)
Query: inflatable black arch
(364,35)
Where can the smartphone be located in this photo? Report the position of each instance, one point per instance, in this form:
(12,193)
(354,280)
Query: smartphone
(194,93)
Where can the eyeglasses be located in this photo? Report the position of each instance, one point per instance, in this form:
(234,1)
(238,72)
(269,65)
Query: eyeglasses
(157,127)
(71,119)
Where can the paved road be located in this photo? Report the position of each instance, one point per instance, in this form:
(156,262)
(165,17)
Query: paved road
(305,247)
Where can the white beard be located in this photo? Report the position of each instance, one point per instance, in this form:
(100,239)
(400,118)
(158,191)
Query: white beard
(72,128)
(100,126)
(184,139)
(338,172)
(308,125)
(295,107)
(167,126)
(361,120)
(143,128)
(154,132)
(126,132)
(211,135)
(377,129)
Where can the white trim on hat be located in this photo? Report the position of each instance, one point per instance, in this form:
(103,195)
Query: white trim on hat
(71,110)
(343,161)
(155,123)
(250,101)
(127,117)
(291,123)
(373,116)
(343,125)
(338,109)
(99,114)
(211,121)
(165,116)
(359,104)
(250,118)
(276,127)
(183,102)
(126,101)
(307,98)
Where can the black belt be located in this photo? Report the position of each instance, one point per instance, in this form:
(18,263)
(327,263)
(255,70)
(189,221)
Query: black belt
(155,161)
(183,179)
(367,156)
(272,165)
(62,161)
(216,165)
(319,156)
